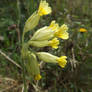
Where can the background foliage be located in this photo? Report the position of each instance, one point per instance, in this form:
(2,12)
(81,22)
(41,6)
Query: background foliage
(77,76)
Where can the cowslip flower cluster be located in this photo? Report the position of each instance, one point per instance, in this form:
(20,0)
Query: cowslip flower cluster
(48,35)
(45,36)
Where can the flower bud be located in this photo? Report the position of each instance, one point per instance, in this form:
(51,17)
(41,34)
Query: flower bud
(32,66)
(38,77)
(24,51)
(32,22)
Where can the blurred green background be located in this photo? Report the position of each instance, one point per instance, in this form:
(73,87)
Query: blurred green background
(77,75)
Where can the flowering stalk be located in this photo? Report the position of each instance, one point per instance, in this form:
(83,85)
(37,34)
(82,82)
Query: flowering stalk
(23,64)
(31,64)
(45,36)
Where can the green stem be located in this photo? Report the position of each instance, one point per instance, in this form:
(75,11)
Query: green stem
(24,79)
(23,64)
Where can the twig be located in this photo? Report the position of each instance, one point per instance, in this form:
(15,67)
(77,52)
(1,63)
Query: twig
(9,59)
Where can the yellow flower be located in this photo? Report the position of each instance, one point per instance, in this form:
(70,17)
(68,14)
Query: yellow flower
(82,30)
(54,26)
(38,77)
(44,8)
(49,58)
(62,32)
(54,43)
(45,33)
(62,61)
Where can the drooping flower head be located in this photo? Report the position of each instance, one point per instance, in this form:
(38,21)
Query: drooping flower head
(44,8)
(62,61)
(49,58)
(54,43)
(82,30)
(62,32)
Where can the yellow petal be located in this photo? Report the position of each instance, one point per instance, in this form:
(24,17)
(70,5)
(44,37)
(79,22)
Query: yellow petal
(54,26)
(64,35)
(44,8)
(54,43)
(62,32)
(38,77)
(64,27)
(62,61)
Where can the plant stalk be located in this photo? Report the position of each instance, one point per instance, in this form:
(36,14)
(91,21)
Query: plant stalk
(23,64)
